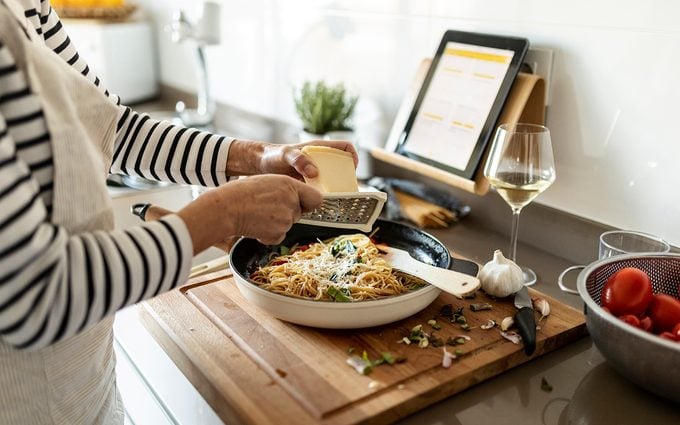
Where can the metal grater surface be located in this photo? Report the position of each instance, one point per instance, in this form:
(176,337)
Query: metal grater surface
(357,210)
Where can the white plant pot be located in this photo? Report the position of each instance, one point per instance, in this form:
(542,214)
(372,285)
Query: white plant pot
(304,136)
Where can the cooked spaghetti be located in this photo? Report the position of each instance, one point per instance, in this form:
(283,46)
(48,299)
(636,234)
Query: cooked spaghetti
(345,268)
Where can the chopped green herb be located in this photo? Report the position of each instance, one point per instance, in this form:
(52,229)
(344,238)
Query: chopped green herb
(389,358)
(343,246)
(545,386)
(433,323)
(350,350)
(455,316)
(459,340)
(465,327)
(436,341)
(284,250)
(480,306)
(338,295)
(417,334)
(458,352)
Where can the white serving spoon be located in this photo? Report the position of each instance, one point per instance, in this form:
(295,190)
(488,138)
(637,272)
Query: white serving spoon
(455,283)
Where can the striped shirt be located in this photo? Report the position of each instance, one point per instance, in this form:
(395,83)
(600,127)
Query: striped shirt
(99,272)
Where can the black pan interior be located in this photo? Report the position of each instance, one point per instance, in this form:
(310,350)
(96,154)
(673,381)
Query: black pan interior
(248,254)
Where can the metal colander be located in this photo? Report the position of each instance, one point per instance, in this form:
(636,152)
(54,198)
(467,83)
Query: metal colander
(644,358)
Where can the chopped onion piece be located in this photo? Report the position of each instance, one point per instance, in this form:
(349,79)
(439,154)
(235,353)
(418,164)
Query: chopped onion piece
(488,325)
(359,364)
(447,360)
(512,336)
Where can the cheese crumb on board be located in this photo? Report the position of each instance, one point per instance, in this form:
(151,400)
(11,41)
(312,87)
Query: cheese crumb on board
(336,169)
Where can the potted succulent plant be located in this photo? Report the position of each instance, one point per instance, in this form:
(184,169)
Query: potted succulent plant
(324,109)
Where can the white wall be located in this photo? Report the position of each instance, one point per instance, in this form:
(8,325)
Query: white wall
(614,95)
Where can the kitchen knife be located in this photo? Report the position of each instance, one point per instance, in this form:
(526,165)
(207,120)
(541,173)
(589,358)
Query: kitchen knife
(524,318)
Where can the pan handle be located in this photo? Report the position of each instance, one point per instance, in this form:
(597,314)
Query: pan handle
(464,266)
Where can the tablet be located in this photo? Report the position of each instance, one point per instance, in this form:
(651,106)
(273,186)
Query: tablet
(456,110)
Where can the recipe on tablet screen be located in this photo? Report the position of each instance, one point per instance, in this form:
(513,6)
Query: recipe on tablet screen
(457,103)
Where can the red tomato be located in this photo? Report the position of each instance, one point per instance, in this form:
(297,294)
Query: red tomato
(631,320)
(301,248)
(646,324)
(628,291)
(665,312)
(668,335)
(676,331)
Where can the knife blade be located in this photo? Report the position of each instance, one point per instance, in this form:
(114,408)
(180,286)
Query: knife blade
(524,318)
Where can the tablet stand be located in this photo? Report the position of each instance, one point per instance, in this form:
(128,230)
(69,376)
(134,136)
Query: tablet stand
(525,103)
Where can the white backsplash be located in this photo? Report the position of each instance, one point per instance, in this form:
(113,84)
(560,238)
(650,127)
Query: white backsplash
(614,92)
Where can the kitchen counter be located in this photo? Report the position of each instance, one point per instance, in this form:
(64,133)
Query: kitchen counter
(585,389)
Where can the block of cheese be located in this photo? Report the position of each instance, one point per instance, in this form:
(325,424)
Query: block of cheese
(336,169)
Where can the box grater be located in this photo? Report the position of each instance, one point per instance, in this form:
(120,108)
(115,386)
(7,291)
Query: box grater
(347,210)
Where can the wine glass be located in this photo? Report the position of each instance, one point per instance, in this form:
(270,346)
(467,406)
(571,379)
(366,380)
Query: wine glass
(520,166)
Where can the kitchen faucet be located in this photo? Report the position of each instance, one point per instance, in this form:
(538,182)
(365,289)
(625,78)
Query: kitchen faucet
(203,31)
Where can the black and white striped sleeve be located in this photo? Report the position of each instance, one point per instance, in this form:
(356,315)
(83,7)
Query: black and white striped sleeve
(53,284)
(156,150)
(159,150)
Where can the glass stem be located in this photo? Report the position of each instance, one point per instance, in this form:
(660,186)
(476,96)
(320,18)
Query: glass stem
(513,233)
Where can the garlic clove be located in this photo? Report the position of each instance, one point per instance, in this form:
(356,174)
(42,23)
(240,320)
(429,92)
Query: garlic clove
(507,323)
(541,305)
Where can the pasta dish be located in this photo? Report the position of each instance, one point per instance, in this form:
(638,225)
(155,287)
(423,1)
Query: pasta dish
(345,268)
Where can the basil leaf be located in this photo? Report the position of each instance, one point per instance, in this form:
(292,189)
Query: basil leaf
(337,294)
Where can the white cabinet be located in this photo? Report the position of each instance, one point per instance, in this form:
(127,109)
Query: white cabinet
(122,55)
(153,389)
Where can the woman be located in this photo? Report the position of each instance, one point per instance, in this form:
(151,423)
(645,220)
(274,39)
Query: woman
(64,271)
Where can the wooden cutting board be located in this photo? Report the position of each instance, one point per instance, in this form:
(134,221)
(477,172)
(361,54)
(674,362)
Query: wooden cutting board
(254,368)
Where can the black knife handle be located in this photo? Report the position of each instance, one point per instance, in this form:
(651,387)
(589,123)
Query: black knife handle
(526,325)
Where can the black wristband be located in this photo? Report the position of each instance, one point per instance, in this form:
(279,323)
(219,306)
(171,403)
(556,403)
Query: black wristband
(139,210)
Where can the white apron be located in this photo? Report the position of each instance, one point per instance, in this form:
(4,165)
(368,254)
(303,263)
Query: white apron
(73,381)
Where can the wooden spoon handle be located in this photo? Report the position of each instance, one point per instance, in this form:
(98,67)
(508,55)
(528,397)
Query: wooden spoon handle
(450,281)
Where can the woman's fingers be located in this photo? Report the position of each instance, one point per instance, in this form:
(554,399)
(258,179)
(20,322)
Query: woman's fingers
(342,145)
(300,162)
(310,198)
(289,160)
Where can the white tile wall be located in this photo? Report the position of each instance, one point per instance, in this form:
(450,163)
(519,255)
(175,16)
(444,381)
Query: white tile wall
(615,88)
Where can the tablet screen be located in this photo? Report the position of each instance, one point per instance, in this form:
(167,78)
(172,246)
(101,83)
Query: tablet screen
(453,118)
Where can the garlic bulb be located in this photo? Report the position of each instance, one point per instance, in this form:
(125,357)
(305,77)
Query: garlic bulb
(501,277)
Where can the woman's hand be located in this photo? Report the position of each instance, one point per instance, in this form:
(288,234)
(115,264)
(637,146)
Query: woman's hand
(259,207)
(248,158)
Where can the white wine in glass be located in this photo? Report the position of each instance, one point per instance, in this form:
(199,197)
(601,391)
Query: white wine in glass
(520,166)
